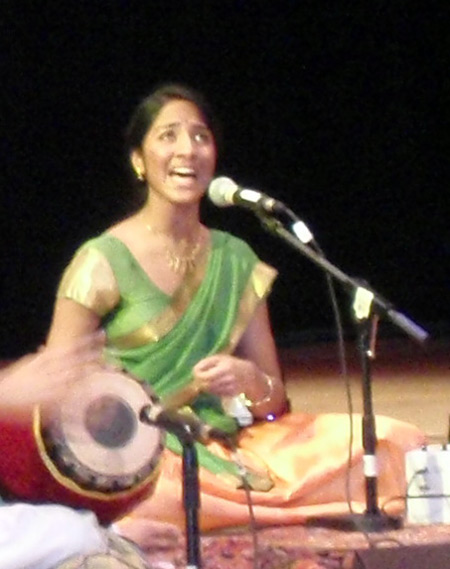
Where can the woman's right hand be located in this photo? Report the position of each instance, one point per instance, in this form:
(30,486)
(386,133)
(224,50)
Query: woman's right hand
(224,375)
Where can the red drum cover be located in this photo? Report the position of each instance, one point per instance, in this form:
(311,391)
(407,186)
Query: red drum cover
(94,453)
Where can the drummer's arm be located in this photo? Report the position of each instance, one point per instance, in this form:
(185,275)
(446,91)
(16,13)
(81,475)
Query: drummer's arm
(44,376)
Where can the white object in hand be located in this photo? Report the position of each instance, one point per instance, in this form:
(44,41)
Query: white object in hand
(236,407)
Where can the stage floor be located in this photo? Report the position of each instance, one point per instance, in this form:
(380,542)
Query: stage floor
(410,382)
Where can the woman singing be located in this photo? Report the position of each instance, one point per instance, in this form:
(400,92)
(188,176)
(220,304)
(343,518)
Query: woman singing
(184,310)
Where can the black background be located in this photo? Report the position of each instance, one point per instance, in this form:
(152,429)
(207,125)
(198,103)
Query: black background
(339,109)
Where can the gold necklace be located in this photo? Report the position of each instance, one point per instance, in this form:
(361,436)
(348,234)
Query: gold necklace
(182,256)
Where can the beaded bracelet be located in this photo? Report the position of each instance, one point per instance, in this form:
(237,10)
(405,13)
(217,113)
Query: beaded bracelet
(267,397)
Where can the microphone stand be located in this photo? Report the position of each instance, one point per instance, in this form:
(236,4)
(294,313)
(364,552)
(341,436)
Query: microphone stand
(187,431)
(367,305)
(191,492)
(191,501)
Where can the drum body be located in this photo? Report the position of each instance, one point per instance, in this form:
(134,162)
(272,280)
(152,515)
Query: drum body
(92,452)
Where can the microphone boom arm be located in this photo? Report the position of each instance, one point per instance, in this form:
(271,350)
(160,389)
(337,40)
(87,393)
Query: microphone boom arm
(383,307)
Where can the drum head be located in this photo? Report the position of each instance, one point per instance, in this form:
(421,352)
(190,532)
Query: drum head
(96,435)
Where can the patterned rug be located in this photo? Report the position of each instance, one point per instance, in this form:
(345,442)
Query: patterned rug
(301,547)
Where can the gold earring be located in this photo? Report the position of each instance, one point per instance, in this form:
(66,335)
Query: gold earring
(140,175)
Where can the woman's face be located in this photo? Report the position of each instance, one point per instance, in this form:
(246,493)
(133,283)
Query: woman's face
(178,153)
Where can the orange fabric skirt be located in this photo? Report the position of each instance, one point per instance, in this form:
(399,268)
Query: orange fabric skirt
(308,459)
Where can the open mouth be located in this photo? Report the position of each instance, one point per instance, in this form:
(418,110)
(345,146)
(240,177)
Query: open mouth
(184,173)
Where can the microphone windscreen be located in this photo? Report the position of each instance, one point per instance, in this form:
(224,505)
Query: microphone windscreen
(221,191)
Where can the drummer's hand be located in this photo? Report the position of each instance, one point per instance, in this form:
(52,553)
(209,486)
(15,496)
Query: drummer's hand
(150,535)
(43,377)
(224,375)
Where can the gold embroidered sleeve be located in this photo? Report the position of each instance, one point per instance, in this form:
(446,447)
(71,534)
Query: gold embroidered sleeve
(90,281)
(258,288)
(262,279)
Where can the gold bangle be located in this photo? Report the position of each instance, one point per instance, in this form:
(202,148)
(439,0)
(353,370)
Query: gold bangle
(267,397)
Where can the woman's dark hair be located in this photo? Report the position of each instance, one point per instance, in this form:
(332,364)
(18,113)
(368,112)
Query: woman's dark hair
(149,108)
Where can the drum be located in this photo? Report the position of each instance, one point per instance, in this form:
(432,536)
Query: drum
(91,452)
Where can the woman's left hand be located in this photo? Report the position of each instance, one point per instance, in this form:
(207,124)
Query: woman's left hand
(224,375)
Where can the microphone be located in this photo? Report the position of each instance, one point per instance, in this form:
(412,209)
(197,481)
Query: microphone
(185,426)
(223,192)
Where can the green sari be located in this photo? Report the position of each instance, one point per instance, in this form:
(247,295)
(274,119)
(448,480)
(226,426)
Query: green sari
(158,338)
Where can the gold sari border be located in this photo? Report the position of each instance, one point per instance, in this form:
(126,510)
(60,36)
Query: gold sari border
(162,324)
(257,289)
